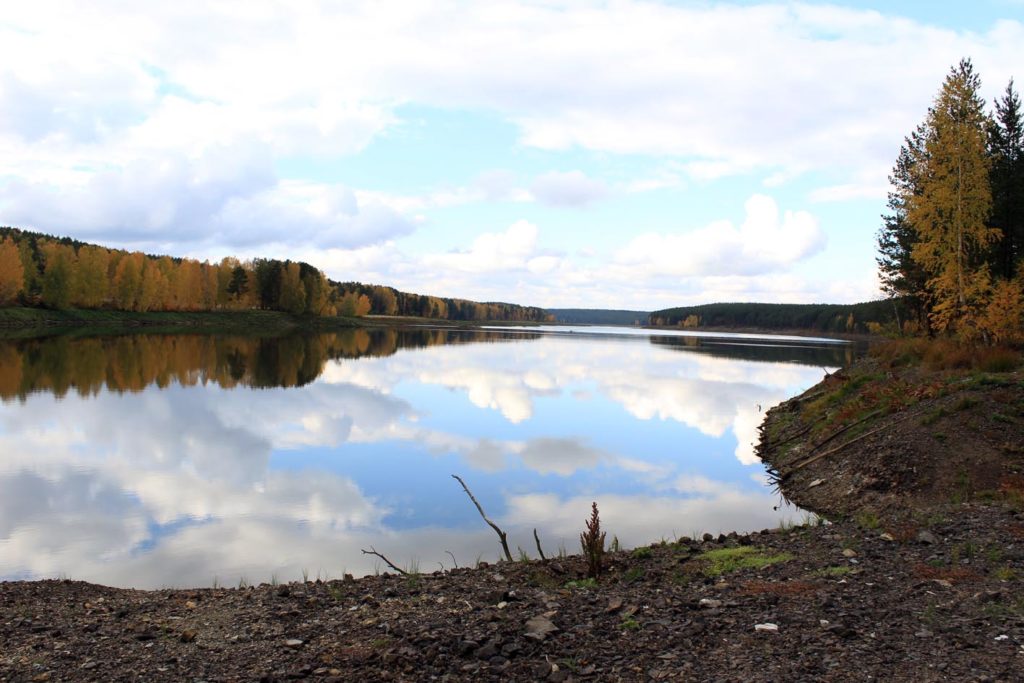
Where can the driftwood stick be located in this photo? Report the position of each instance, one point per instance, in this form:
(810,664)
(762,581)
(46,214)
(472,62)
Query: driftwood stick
(502,536)
(869,416)
(819,456)
(454,562)
(537,539)
(373,551)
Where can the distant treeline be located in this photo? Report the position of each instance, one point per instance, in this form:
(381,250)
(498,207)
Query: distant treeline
(383,300)
(130,363)
(61,273)
(871,316)
(598,316)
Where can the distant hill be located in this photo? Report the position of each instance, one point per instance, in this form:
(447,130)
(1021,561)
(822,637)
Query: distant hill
(870,316)
(598,316)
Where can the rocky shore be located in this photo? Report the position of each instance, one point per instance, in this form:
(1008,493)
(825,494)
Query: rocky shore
(919,577)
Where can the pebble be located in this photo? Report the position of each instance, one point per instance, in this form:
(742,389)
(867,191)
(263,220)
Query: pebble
(294,643)
(540,627)
(767,627)
(708,603)
(887,537)
(849,552)
(926,537)
(487,651)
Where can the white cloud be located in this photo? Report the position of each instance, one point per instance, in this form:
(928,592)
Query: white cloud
(638,520)
(560,456)
(765,242)
(729,87)
(570,189)
(188,126)
(511,250)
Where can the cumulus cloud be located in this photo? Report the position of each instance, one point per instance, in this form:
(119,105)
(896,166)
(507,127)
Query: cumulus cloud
(110,81)
(225,198)
(513,250)
(764,242)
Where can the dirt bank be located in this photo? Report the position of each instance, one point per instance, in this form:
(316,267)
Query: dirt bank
(887,438)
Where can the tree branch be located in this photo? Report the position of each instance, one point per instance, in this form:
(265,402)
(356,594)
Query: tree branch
(537,539)
(373,551)
(502,536)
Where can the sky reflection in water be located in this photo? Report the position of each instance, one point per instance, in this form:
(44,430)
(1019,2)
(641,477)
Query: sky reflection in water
(260,459)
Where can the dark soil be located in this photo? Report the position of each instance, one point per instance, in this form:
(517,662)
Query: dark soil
(921,578)
(942,601)
(878,439)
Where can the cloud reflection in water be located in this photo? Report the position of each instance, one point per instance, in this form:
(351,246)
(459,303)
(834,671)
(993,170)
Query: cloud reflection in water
(179,485)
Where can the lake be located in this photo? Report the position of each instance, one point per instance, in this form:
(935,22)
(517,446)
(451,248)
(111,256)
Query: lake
(189,460)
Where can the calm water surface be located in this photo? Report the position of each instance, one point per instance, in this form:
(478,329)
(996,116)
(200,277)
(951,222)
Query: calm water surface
(180,460)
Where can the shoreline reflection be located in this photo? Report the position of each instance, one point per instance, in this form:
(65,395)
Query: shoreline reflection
(159,460)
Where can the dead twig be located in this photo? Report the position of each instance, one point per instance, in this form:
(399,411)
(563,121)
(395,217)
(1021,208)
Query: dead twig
(869,416)
(819,456)
(373,551)
(537,539)
(502,536)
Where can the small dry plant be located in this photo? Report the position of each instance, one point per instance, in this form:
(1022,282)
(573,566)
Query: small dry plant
(592,541)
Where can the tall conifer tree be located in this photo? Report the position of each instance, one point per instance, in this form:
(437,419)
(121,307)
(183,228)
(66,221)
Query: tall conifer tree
(1006,148)
(951,211)
(900,275)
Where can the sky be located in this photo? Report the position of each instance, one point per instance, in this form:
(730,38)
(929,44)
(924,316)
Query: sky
(560,153)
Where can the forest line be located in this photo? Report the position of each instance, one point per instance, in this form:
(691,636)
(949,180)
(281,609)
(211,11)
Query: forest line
(61,273)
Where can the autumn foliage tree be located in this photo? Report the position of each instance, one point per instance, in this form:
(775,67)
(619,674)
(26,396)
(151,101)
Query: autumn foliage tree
(64,273)
(951,244)
(951,210)
(12,272)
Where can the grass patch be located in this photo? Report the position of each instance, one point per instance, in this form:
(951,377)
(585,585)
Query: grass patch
(582,584)
(542,579)
(1005,573)
(633,574)
(868,519)
(998,360)
(642,553)
(727,560)
(946,354)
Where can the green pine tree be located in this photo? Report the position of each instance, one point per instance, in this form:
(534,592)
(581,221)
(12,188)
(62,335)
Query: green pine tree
(901,276)
(1006,148)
